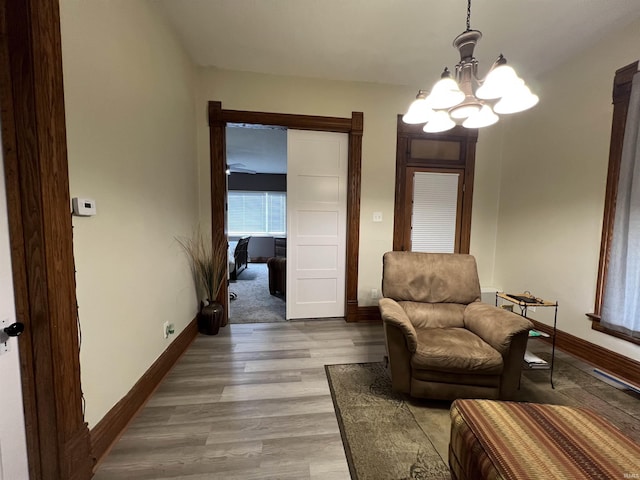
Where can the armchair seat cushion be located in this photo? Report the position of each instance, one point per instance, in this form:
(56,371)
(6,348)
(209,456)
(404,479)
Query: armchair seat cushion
(455,350)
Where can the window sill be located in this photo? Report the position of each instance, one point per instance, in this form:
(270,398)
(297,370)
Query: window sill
(595,325)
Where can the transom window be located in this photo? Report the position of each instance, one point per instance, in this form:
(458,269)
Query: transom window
(257,213)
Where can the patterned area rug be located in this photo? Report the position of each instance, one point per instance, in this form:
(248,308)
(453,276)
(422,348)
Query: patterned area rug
(382,438)
(254,303)
(391,436)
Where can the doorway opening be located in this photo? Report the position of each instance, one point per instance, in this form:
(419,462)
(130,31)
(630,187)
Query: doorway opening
(289,193)
(219,118)
(256,221)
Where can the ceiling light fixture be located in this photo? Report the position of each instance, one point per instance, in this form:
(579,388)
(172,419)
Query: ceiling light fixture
(467,99)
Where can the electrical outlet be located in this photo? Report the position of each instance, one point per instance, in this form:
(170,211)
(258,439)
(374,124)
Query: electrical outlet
(168,329)
(377,216)
(374,293)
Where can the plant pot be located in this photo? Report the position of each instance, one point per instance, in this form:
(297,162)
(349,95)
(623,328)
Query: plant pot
(210,318)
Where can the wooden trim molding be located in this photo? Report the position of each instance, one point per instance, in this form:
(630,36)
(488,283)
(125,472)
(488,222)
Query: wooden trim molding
(108,430)
(299,122)
(218,150)
(369,314)
(37,180)
(607,360)
(621,95)
(469,149)
(354,176)
(354,126)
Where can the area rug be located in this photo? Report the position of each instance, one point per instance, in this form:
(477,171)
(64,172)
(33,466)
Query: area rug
(253,302)
(382,438)
(391,436)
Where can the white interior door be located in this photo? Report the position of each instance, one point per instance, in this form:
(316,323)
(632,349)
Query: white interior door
(316,223)
(13,447)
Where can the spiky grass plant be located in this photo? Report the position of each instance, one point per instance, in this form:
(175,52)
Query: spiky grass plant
(208,263)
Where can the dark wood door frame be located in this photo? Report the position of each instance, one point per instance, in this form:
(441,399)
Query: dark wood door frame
(467,138)
(37,184)
(218,119)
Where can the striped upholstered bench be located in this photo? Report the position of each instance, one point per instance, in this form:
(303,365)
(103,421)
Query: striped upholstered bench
(508,440)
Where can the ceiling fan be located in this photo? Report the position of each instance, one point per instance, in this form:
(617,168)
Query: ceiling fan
(239,168)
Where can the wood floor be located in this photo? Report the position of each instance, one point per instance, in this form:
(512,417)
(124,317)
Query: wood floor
(250,403)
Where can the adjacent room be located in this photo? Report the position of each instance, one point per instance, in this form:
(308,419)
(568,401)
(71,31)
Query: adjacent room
(294,245)
(257,222)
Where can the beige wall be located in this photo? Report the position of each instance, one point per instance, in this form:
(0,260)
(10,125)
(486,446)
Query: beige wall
(553,182)
(129,94)
(380,105)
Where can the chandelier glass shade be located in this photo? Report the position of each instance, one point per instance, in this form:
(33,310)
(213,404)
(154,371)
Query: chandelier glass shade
(466,99)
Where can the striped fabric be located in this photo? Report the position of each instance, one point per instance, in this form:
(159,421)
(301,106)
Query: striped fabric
(514,441)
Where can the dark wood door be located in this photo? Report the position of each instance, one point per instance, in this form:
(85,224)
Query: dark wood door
(417,151)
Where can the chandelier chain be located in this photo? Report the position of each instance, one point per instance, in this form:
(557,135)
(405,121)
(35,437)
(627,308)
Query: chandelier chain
(468,15)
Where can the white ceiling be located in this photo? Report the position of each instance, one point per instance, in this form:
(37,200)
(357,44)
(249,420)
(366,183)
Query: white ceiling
(403,42)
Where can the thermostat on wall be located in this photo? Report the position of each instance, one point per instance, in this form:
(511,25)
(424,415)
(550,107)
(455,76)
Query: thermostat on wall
(83,207)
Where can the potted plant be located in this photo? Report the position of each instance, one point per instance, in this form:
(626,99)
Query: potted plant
(209,269)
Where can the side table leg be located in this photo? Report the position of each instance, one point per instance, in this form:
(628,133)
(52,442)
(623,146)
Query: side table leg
(553,345)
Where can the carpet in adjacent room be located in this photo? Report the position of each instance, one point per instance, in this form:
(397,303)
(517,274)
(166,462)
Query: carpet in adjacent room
(254,303)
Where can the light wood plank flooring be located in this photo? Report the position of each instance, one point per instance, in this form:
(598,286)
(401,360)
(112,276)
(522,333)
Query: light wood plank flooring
(253,403)
(250,403)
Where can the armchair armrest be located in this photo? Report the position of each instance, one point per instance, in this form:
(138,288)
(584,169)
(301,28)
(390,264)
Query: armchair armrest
(494,325)
(392,313)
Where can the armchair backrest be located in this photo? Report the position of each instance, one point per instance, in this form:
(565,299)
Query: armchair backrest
(430,277)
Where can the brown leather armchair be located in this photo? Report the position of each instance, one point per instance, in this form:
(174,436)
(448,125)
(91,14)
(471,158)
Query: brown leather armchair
(443,343)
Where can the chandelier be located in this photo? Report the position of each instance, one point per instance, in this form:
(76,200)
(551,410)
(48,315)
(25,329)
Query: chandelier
(467,100)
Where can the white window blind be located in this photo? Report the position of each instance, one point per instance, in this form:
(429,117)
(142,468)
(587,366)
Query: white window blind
(433,220)
(257,213)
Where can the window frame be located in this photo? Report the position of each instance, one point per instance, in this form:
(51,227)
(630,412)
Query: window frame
(621,94)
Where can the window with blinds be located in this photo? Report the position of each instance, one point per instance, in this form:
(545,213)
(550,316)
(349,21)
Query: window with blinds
(434,216)
(257,213)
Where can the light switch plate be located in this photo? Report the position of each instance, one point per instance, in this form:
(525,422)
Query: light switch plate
(377,216)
